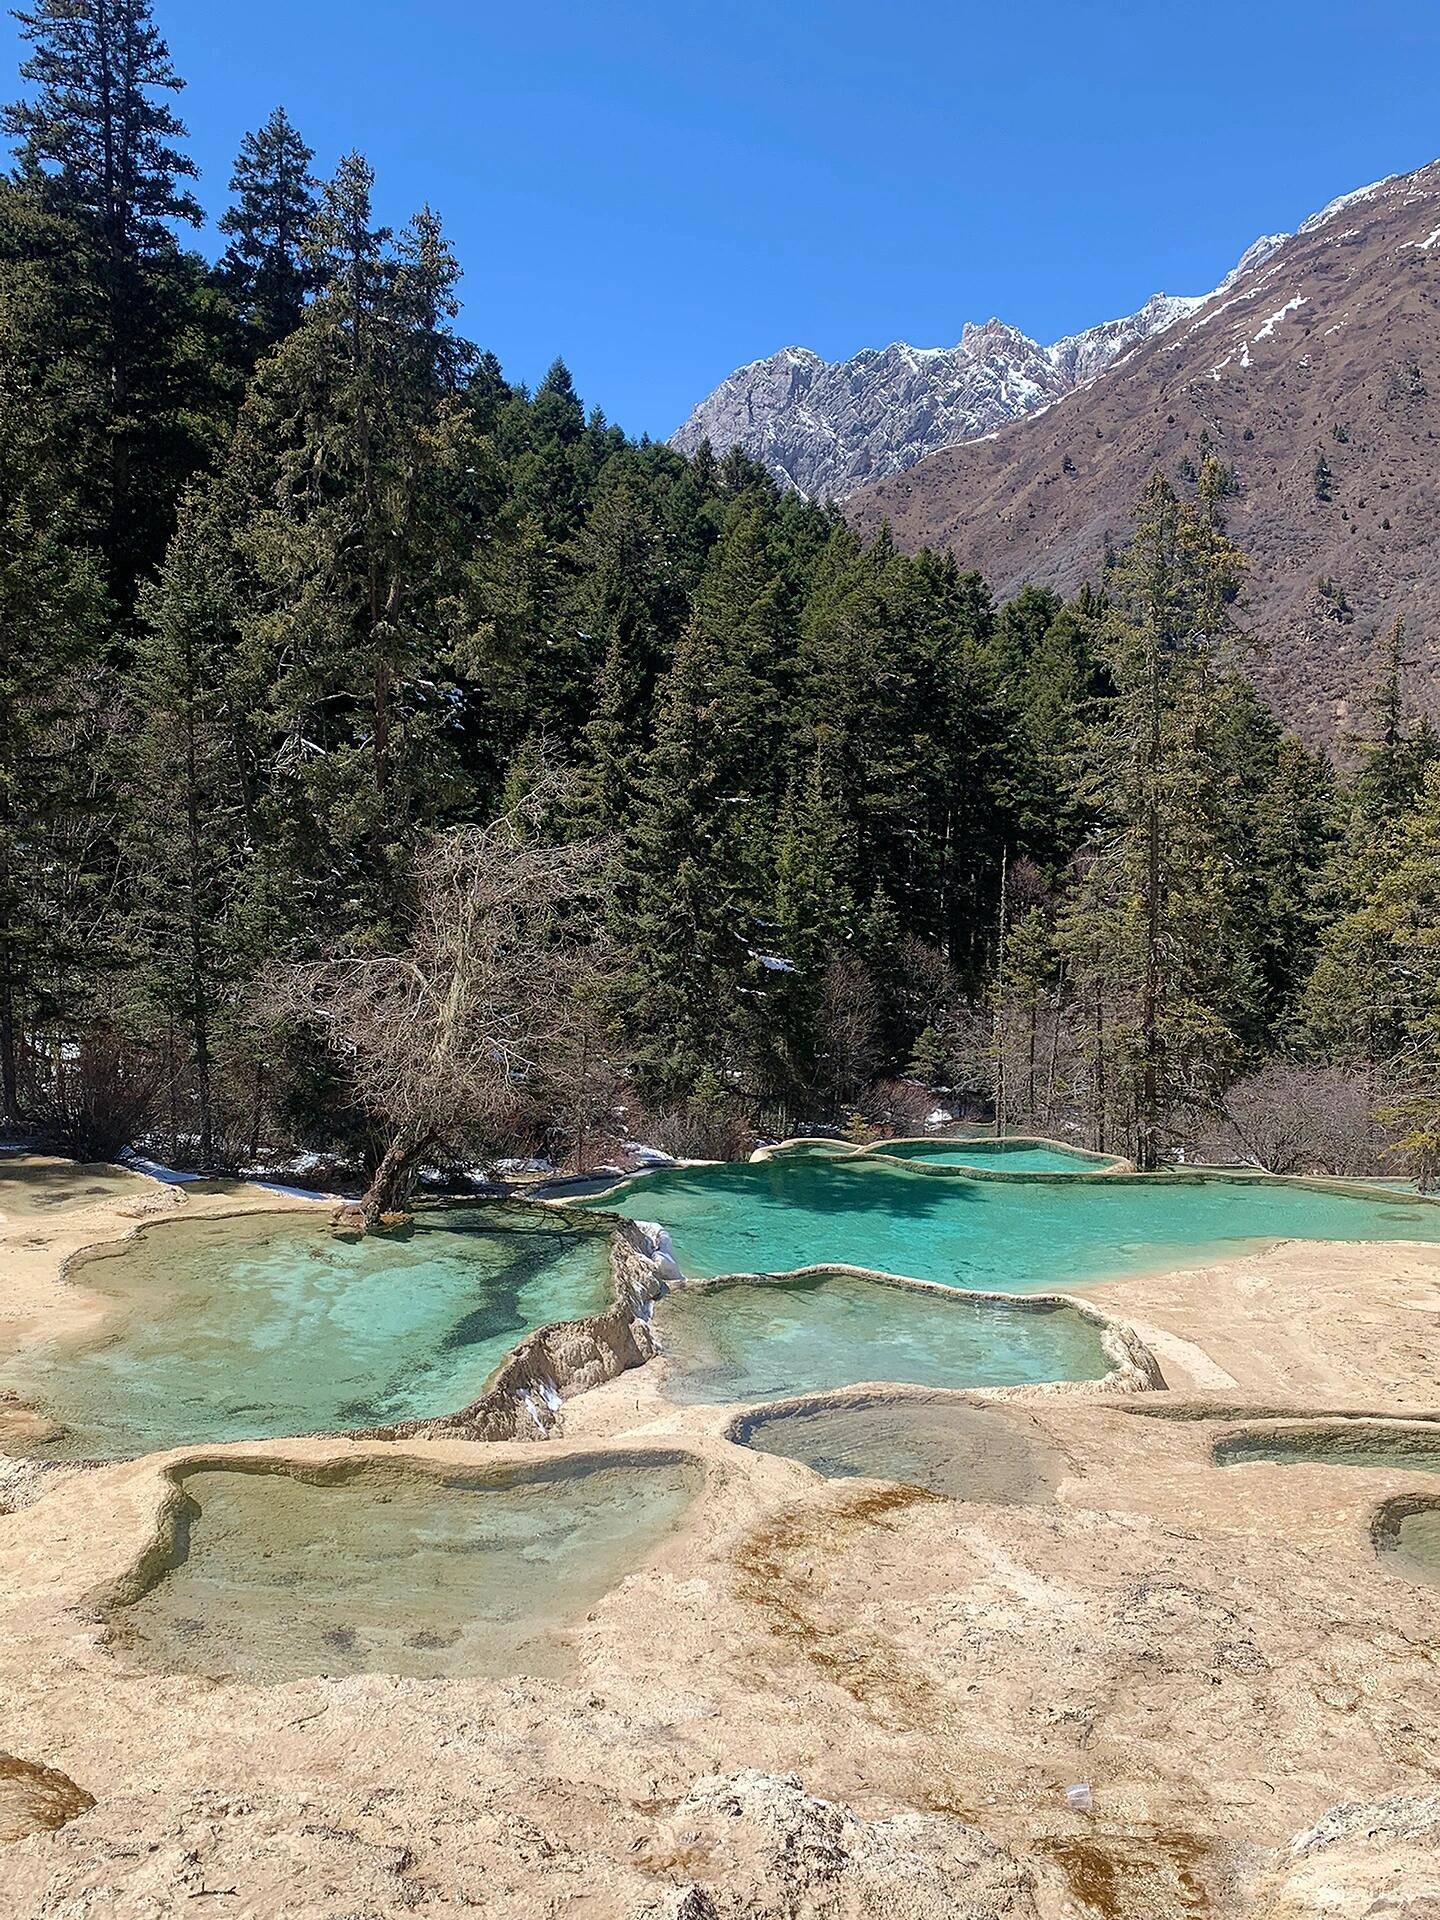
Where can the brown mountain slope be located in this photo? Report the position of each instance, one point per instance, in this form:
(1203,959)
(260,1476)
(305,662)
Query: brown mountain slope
(1330,346)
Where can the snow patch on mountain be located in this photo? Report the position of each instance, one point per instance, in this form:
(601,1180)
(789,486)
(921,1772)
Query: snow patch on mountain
(828,428)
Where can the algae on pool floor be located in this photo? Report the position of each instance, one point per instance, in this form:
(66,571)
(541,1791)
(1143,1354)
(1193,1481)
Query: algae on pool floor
(1331,1444)
(395,1570)
(766,1341)
(262,1325)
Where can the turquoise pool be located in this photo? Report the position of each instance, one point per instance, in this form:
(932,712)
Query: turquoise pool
(1024,1236)
(997,1156)
(963,1452)
(263,1325)
(766,1341)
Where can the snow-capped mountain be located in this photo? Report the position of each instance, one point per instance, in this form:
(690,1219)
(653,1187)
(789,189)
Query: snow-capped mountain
(828,428)
(1313,374)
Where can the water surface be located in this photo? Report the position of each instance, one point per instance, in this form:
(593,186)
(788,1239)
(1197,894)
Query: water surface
(1385,1449)
(263,1325)
(1412,1546)
(964,1452)
(393,1570)
(1023,1236)
(748,1342)
(998,1156)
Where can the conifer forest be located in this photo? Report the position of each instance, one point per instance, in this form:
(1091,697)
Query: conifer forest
(403,767)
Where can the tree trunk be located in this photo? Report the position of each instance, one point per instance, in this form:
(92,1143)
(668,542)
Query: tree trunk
(1147,1118)
(9,1073)
(392,1186)
(999,1019)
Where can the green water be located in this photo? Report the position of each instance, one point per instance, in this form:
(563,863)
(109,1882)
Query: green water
(748,1342)
(997,1156)
(1011,1236)
(265,1325)
(966,1453)
(1383,1449)
(396,1571)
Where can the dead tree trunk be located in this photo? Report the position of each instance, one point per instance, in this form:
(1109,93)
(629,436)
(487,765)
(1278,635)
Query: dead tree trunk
(392,1185)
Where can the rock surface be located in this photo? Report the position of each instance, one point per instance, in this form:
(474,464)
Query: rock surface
(827,429)
(821,1700)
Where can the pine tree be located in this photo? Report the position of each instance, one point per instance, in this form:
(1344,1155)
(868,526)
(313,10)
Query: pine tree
(699,849)
(354,488)
(97,137)
(1157,894)
(54,618)
(94,120)
(51,611)
(816,921)
(1373,1000)
(265,265)
(184,832)
(617,613)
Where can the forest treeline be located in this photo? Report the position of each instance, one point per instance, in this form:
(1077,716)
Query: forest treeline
(301,595)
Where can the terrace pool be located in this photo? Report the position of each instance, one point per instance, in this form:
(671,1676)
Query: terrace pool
(769,1340)
(262,1325)
(1021,1236)
(283,1574)
(963,1452)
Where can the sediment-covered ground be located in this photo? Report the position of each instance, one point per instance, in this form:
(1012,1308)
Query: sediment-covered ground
(843,1697)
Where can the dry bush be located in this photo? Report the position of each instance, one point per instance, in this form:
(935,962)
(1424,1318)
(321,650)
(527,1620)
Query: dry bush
(471,1036)
(101,1092)
(897,1106)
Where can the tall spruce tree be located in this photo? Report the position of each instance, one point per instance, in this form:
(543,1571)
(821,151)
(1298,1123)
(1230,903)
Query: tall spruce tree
(1153,927)
(96,136)
(266,265)
(698,853)
(186,762)
(353,493)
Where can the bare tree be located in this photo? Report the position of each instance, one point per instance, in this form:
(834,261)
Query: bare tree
(1289,1118)
(470,1035)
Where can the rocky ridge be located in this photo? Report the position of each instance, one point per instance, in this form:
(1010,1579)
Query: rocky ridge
(829,428)
(1314,375)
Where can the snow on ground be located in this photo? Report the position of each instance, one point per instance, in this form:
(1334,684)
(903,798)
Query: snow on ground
(1291,306)
(649,1156)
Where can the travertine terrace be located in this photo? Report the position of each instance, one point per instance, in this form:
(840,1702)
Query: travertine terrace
(843,1698)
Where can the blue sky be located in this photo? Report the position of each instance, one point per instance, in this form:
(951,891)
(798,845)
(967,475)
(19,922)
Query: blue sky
(660,191)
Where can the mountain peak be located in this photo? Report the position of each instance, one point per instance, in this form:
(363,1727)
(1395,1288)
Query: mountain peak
(828,428)
(1319,353)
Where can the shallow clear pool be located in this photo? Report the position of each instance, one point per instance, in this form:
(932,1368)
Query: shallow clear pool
(1385,1449)
(1413,1548)
(765,1342)
(998,1156)
(393,1570)
(265,1325)
(966,1453)
(1022,1236)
